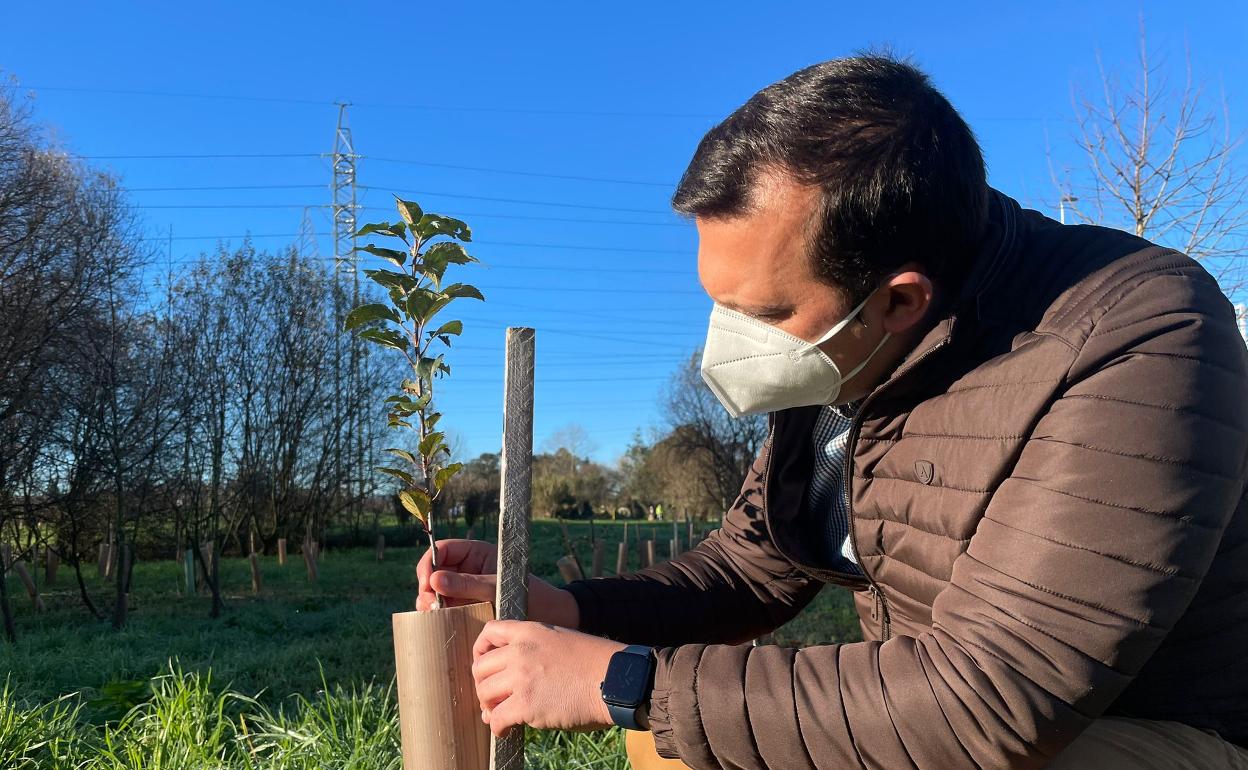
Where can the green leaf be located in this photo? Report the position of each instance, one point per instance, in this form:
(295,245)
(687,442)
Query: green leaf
(432,420)
(426,366)
(463,290)
(423,304)
(392,280)
(395,422)
(401,453)
(431,443)
(366,313)
(403,476)
(450,327)
(397,230)
(438,256)
(444,475)
(385,337)
(450,253)
(396,256)
(431,225)
(410,212)
(417,503)
(408,405)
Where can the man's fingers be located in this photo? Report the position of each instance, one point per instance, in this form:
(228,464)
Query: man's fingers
(471,558)
(450,554)
(504,716)
(424,601)
(493,691)
(497,633)
(489,663)
(461,585)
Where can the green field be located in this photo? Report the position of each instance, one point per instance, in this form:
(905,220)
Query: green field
(297,677)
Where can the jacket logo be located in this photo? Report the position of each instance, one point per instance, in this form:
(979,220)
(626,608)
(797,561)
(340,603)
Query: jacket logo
(925,471)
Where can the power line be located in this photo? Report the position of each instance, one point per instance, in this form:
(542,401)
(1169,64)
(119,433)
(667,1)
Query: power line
(227,187)
(482,215)
(523,244)
(533,203)
(557,380)
(485,266)
(588,363)
(233,206)
(387,208)
(638,271)
(203,156)
(451,108)
(683,225)
(573,247)
(570,177)
(368,105)
(403,161)
(579,330)
(581,313)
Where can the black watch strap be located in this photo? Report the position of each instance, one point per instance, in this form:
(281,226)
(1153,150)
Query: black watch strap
(626,715)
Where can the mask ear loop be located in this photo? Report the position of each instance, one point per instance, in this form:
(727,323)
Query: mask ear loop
(840,325)
(867,360)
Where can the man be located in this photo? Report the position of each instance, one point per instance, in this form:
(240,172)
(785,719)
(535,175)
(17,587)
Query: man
(1021,444)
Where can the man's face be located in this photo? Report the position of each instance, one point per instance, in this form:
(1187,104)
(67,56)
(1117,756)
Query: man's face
(759,264)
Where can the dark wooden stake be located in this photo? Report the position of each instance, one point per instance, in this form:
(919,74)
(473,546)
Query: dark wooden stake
(512,596)
(256,582)
(31,588)
(596,569)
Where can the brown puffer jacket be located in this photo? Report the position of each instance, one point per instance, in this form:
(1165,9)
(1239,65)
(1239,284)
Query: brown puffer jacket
(1048,503)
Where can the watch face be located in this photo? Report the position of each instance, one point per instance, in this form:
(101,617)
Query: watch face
(627,677)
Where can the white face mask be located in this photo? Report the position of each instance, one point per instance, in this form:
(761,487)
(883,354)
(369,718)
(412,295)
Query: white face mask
(752,367)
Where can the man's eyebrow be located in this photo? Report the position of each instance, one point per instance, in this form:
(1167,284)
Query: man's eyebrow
(773,309)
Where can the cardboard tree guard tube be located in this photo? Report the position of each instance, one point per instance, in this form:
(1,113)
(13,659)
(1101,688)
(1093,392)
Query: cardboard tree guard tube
(439,715)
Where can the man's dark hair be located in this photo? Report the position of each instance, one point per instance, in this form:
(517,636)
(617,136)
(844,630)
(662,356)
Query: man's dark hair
(901,175)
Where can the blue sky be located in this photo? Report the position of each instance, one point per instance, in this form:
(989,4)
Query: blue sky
(598,106)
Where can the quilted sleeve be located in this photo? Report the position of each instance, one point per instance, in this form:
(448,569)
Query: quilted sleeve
(1085,559)
(732,587)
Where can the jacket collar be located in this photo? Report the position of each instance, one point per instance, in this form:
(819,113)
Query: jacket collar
(995,253)
(993,257)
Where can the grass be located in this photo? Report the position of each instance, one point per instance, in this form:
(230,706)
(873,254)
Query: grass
(297,677)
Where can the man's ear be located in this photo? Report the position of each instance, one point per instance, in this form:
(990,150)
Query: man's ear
(909,292)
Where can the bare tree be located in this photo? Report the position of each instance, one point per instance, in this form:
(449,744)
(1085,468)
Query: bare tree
(720,449)
(1160,160)
(572,437)
(62,230)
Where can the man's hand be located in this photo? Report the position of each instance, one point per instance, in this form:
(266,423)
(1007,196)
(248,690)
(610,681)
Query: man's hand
(466,574)
(540,675)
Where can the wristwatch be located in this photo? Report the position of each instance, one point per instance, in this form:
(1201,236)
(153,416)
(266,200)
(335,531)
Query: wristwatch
(627,685)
